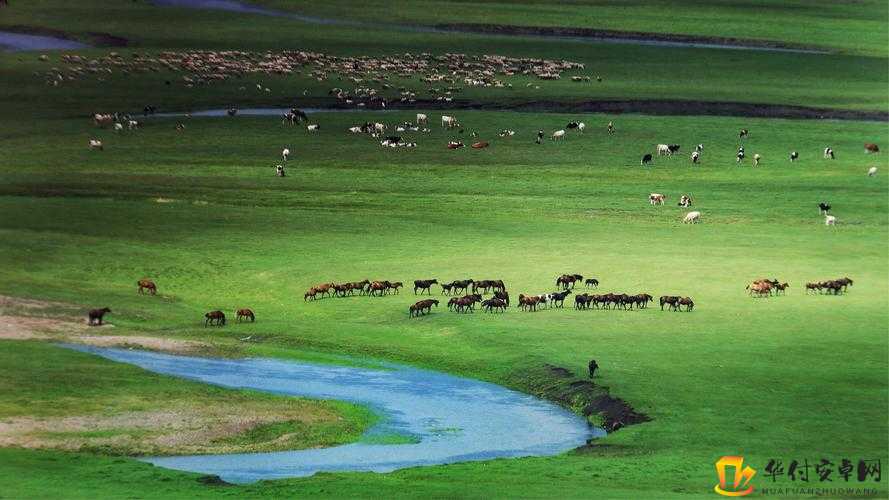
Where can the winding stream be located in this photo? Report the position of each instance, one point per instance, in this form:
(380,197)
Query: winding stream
(246,8)
(447,419)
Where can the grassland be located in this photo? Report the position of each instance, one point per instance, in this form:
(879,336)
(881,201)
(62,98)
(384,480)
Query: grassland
(734,376)
(853,81)
(800,376)
(54,398)
(857,28)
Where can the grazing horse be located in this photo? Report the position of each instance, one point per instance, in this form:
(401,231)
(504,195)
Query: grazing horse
(424,285)
(461,285)
(591,282)
(146,284)
(446,288)
(214,317)
(312,292)
(813,287)
(486,285)
(687,302)
(761,288)
(502,295)
(244,314)
(394,286)
(567,281)
(845,282)
(670,300)
(96,316)
(422,307)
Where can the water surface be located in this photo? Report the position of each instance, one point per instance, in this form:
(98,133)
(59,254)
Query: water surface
(449,419)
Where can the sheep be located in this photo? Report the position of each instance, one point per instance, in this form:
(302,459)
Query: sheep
(872,171)
(663,149)
(756,159)
(506,133)
(692,217)
(118,127)
(285,154)
(314,127)
(96,144)
(830,220)
(355,130)
(422,119)
(557,135)
(448,121)
(580,127)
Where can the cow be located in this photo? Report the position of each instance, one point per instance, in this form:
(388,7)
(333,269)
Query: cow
(610,128)
(684,201)
(422,119)
(646,159)
(480,145)
(96,316)
(313,127)
(793,156)
(96,144)
(870,147)
(539,137)
(674,148)
(743,133)
(663,150)
(279,171)
(285,154)
(449,122)
(823,208)
(455,144)
(558,135)
(828,153)
(756,159)
(695,157)
(656,198)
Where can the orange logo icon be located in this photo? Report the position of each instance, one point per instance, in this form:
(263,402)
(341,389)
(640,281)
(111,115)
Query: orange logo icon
(742,475)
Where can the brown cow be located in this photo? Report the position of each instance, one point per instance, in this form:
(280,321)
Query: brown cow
(870,147)
(480,145)
(145,284)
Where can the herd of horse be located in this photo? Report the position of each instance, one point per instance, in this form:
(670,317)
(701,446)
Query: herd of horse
(475,290)
(767,287)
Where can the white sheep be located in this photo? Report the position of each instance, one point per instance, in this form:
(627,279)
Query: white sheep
(96,144)
(557,135)
(872,171)
(756,159)
(663,149)
(830,220)
(285,154)
(580,127)
(692,217)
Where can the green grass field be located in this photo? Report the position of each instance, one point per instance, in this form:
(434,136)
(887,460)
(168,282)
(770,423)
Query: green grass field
(200,212)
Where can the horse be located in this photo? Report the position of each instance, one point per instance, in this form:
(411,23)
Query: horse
(244,314)
(96,316)
(558,298)
(591,282)
(146,284)
(215,317)
(424,285)
(494,303)
(568,280)
(502,295)
(424,305)
(687,302)
(671,300)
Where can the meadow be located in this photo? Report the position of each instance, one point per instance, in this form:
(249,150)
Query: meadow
(201,212)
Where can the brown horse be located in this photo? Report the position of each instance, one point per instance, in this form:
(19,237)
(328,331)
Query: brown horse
(687,302)
(215,317)
(422,307)
(244,314)
(96,316)
(146,284)
(568,280)
(671,300)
